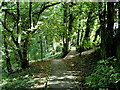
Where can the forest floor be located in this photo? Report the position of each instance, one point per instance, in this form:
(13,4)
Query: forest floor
(68,72)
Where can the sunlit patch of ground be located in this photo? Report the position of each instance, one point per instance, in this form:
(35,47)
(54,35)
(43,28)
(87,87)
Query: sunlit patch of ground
(59,76)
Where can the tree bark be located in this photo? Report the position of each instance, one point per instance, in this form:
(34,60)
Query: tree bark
(78,37)
(117,37)
(71,18)
(88,26)
(22,48)
(107,46)
(68,20)
(8,64)
(41,46)
(102,16)
(97,33)
(110,49)
(30,14)
(25,62)
(65,33)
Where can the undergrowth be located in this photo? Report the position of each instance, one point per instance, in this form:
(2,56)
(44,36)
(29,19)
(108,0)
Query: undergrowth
(107,74)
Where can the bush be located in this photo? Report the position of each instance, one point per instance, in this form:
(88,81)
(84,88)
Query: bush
(107,74)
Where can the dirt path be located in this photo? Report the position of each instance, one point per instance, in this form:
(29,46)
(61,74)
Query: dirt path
(71,54)
(60,76)
(69,72)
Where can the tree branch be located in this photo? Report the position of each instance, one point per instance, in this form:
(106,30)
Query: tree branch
(8,31)
(41,10)
(45,7)
(5,26)
(10,13)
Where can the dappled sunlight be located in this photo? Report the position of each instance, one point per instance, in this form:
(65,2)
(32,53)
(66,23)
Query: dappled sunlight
(63,81)
(73,48)
(59,44)
(60,78)
(38,86)
(55,81)
(88,52)
(70,56)
(55,73)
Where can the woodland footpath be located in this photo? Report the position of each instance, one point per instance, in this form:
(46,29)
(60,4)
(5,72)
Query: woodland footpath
(60,45)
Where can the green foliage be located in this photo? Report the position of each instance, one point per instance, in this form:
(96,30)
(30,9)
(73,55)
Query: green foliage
(88,44)
(107,73)
(26,78)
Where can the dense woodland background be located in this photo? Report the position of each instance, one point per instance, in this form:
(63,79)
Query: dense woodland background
(34,31)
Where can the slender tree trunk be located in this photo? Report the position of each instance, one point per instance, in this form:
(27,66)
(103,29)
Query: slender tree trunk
(97,33)
(8,64)
(119,15)
(88,26)
(102,16)
(101,12)
(30,14)
(18,33)
(78,37)
(46,44)
(87,32)
(25,62)
(71,18)
(117,37)
(41,46)
(65,33)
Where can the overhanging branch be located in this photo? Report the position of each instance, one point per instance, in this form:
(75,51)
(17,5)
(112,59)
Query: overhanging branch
(40,12)
(45,7)
(8,31)
(10,13)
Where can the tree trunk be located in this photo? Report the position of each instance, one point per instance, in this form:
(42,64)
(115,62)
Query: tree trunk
(88,25)
(97,33)
(30,14)
(102,14)
(46,44)
(65,33)
(78,37)
(8,64)
(22,48)
(110,49)
(117,37)
(41,46)
(71,18)
(68,20)
(25,62)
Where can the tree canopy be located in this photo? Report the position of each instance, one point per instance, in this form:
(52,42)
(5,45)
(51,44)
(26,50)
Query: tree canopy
(36,31)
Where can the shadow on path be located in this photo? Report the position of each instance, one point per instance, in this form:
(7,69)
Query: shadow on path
(60,77)
(69,72)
